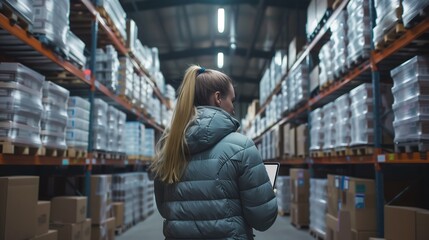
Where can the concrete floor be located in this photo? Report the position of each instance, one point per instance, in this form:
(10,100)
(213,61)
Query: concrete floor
(151,229)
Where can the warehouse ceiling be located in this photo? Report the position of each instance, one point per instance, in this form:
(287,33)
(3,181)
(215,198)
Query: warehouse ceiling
(185,32)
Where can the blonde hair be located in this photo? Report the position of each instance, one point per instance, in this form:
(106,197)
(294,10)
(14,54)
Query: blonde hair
(171,153)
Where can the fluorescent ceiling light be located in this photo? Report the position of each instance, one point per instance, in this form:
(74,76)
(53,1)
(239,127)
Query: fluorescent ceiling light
(220,60)
(221,20)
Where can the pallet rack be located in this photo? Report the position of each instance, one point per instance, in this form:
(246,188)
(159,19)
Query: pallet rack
(78,79)
(372,68)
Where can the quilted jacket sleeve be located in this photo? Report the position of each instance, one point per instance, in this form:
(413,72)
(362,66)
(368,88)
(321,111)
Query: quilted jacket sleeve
(256,192)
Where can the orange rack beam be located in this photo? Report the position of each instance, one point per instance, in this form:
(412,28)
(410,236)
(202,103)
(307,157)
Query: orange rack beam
(403,158)
(361,159)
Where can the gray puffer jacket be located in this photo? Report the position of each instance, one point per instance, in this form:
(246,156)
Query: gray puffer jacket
(224,191)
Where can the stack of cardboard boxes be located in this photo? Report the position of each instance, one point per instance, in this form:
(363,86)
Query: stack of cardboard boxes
(68,217)
(351,208)
(300,195)
(406,223)
(21,216)
(103,226)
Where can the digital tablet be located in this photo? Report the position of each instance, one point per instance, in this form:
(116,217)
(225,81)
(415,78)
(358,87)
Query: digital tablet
(272,170)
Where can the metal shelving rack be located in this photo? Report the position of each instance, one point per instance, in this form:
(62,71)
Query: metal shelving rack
(370,70)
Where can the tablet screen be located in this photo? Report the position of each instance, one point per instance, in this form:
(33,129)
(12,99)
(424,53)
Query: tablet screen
(272,170)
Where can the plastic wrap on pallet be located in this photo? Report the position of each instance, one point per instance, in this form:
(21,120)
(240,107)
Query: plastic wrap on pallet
(410,70)
(107,67)
(339,40)
(412,129)
(116,13)
(318,204)
(22,7)
(298,85)
(329,125)
(100,122)
(326,65)
(316,131)
(134,138)
(77,49)
(21,104)
(389,12)
(412,8)
(125,78)
(54,118)
(359,20)
(343,130)
(51,20)
(149,142)
(283,193)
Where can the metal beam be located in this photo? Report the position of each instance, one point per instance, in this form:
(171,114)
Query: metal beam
(258,22)
(143,5)
(242,52)
(164,31)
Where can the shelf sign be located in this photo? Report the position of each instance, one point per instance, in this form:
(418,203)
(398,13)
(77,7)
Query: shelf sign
(360,201)
(65,162)
(381,158)
(346,183)
(97,84)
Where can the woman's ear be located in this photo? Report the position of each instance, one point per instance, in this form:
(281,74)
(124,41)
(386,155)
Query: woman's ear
(218,99)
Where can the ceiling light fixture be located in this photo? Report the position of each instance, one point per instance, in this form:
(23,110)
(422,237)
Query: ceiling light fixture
(220,60)
(221,20)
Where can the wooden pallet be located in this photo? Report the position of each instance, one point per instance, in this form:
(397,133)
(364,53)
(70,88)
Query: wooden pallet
(343,151)
(362,150)
(51,152)
(317,234)
(111,24)
(76,153)
(414,146)
(329,153)
(316,154)
(15,18)
(19,149)
(390,36)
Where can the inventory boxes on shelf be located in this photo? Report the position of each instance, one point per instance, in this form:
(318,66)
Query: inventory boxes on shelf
(406,223)
(68,209)
(18,207)
(50,235)
(42,219)
(300,195)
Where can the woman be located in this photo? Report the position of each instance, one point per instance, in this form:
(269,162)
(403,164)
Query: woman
(210,180)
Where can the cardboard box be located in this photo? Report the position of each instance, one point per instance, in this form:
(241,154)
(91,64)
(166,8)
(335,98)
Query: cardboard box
(358,198)
(50,235)
(362,235)
(18,207)
(300,214)
(299,185)
(68,231)
(292,142)
(86,229)
(406,223)
(118,213)
(101,185)
(422,228)
(333,194)
(100,206)
(338,228)
(68,209)
(314,78)
(42,219)
(301,140)
(104,231)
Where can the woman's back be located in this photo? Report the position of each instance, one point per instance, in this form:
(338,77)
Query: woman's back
(224,191)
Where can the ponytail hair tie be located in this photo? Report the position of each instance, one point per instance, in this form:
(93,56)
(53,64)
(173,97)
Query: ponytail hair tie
(201,70)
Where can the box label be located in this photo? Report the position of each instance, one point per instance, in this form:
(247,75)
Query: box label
(301,182)
(337,182)
(360,201)
(346,183)
(360,188)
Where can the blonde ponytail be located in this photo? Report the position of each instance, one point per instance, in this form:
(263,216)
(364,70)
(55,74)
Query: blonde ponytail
(170,160)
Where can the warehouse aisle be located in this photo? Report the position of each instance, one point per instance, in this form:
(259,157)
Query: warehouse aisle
(151,229)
